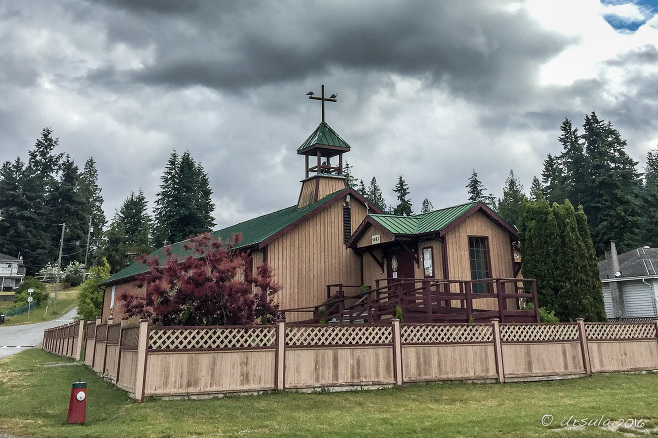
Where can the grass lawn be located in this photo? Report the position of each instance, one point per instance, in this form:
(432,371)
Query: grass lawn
(35,387)
(66,300)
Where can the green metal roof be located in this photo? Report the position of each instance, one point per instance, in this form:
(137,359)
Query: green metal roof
(324,135)
(254,231)
(422,223)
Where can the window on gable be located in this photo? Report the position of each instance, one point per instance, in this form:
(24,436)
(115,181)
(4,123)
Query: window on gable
(478,248)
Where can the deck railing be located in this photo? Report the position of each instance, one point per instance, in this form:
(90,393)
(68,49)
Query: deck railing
(427,300)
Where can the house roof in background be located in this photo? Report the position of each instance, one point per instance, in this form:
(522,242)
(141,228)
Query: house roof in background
(5,258)
(640,262)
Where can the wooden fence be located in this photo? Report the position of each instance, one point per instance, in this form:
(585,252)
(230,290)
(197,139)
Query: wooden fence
(203,361)
(65,340)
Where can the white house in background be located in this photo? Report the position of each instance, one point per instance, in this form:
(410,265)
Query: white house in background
(636,278)
(12,272)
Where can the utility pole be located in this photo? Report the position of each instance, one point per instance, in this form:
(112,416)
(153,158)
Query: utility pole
(88,236)
(59,264)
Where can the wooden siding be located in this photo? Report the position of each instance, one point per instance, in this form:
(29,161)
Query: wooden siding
(117,312)
(371,269)
(500,250)
(437,259)
(317,187)
(366,239)
(312,255)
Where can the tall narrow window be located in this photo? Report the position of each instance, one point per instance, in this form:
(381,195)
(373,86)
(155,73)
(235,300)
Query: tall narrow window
(347,224)
(478,248)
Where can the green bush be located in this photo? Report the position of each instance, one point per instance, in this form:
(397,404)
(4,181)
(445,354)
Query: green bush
(90,296)
(544,314)
(40,294)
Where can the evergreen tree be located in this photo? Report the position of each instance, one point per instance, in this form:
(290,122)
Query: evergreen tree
(66,203)
(611,191)
(136,223)
(347,173)
(573,162)
(91,193)
(374,195)
(14,209)
(427,206)
(361,189)
(554,188)
(557,251)
(536,189)
(477,191)
(402,191)
(648,232)
(510,206)
(539,245)
(184,205)
(114,245)
(41,175)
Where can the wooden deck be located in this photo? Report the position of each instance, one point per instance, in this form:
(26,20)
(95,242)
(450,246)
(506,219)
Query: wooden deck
(427,301)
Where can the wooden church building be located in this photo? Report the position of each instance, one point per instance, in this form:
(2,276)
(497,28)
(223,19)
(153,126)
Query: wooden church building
(337,257)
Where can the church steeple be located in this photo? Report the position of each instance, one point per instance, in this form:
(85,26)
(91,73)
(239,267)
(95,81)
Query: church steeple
(323,151)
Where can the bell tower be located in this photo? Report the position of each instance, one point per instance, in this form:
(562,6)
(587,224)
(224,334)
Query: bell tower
(323,154)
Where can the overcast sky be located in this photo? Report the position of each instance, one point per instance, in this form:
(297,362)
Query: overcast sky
(430,90)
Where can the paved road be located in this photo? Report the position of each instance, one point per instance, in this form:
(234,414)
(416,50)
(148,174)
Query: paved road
(16,338)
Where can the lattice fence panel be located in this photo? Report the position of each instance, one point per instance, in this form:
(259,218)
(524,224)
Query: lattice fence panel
(424,334)
(339,335)
(173,339)
(606,331)
(538,332)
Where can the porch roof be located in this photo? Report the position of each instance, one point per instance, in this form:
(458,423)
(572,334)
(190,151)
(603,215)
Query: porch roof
(435,222)
(422,223)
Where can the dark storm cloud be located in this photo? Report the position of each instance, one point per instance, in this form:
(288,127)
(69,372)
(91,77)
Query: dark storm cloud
(475,48)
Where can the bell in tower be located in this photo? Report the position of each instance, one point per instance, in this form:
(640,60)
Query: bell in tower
(323,153)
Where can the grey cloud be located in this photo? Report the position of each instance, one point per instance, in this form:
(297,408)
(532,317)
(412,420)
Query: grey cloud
(473,48)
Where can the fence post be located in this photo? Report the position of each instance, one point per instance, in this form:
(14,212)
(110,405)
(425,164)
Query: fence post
(584,346)
(77,354)
(498,350)
(142,347)
(93,357)
(397,353)
(280,356)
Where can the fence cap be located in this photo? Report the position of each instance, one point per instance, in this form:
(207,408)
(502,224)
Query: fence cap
(79,385)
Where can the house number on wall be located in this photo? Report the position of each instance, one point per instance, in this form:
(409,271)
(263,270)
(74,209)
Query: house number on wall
(376,239)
